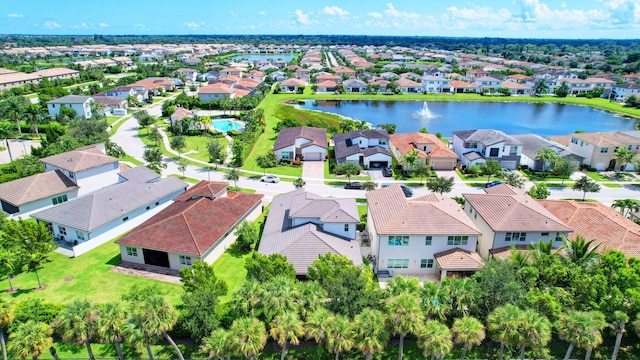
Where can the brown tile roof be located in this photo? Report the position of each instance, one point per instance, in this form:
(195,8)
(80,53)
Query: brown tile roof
(204,189)
(35,187)
(514,213)
(457,259)
(392,213)
(461,84)
(504,189)
(327,83)
(407,83)
(607,138)
(406,142)
(182,113)
(191,226)
(216,89)
(288,136)
(80,159)
(561,139)
(597,221)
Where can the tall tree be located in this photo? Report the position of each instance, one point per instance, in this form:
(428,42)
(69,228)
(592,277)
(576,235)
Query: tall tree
(440,184)
(248,337)
(436,300)
(504,325)
(490,168)
(539,191)
(585,184)
(369,185)
(620,320)
(565,168)
(582,252)
(540,87)
(624,157)
(112,324)
(13,108)
(286,328)
(35,243)
(266,267)
(625,206)
(77,324)
(347,168)
(178,144)
(216,151)
(299,183)
(7,315)
(582,329)
(153,157)
(216,345)
(31,338)
(315,325)
(405,316)
(435,339)
(422,171)
(410,159)
(339,335)
(247,236)
(535,331)
(563,90)
(268,160)
(34,115)
(514,179)
(233,175)
(371,334)
(548,156)
(468,331)
(156,317)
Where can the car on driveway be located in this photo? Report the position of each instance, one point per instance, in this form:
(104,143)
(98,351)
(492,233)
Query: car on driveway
(387,172)
(493,183)
(353,186)
(270,179)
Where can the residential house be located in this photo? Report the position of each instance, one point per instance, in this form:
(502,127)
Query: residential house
(320,77)
(517,89)
(35,192)
(256,75)
(532,144)
(343,72)
(302,226)
(487,83)
(598,148)
(475,73)
(379,85)
(189,74)
(354,86)
(409,86)
(214,92)
(80,104)
(179,115)
(598,222)
(621,92)
(419,236)
(436,84)
(301,142)
(459,87)
(16,79)
(95,218)
(122,92)
(431,150)
(507,216)
(231,71)
(110,103)
(476,146)
(291,85)
(200,225)
(326,86)
(302,74)
(57,73)
(368,148)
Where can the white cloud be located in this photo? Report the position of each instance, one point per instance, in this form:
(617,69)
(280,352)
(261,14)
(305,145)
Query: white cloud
(335,10)
(375,15)
(233,13)
(191,25)
(139,25)
(302,18)
(393,12)
(103,24)
(82,25)
(485,17)
(262,12)
(51,24)
(545,17)
(15,15)
(624,11)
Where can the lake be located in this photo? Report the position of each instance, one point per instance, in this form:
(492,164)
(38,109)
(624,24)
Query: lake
(543,119)
(258,57)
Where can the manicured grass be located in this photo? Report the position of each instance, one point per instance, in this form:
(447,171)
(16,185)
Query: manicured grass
(186,178)
(329,175)
(537,176)
(612,185)
(230,268)
(114,128)
(91,279)
(112,119)
(597,176)
(197,146)
(465,177)
(132,160)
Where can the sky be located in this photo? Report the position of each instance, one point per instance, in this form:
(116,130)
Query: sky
(568,19)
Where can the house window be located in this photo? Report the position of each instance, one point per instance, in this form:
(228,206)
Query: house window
(157,203)
(458,240)
(513,150)
(285,155)
(544,234)
(59,199)
(581,143)
(398,240)
(629,147)
(516,236)
(494,152)
(426,263)
(79,235)
(62,230)
(559,237)
(473,145)
(346,227)
(604,150)
(125,218)
(427,240)
(131,251)
(71,175)
(185,260)
(382,141)
(397,263)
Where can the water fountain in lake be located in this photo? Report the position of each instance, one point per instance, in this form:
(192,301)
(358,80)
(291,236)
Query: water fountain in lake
(424,113)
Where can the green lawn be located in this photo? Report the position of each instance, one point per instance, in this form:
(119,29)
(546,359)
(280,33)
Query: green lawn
(613,185)
(329,175)
(465,177)
(112,119)
(198,146)
(597,176)
(537,176)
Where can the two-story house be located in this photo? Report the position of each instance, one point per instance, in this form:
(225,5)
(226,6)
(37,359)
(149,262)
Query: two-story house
(189,74)
(436,84)
(431,150)
(307,143)
(621,92)
(476,146)
(507,216)
(487,83)
(599,148)
(78,103)
(419,236)
(302,226)
(368,148)
(216,92)
(532,144)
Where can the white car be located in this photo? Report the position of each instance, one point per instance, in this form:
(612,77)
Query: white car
(270,178)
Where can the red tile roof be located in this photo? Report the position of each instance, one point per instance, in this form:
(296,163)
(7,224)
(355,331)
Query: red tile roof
(193,223)
(406,142)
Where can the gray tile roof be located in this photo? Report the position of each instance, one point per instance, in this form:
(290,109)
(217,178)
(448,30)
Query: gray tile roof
(532,143)
(474,155)
(308,205)
(96,209)
(35,187)
(80,159)
(303,244)
(486,137)
(342,146)
(140,174)
(369,134)
(70,99)
(376,150)
(288,136)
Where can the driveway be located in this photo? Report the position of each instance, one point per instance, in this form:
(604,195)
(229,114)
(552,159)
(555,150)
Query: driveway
(18,148)
(313,171)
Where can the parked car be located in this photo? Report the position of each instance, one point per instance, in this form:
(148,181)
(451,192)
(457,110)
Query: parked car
(405,189)
(270,178)
(387,172)
(353,186)
(493,183)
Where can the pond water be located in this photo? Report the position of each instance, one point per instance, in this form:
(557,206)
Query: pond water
(258,57)
(543,119)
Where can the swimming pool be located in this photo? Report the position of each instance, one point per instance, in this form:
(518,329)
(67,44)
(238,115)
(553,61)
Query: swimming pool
(226,125)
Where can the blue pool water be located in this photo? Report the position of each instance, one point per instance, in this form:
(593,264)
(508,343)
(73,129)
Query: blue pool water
(226,125)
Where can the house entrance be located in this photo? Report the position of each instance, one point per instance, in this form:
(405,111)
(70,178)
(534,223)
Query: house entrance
(157,258)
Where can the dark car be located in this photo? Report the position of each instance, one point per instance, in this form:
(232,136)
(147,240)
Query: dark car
(405,189)
(493,183)
(353,186)
(386,172)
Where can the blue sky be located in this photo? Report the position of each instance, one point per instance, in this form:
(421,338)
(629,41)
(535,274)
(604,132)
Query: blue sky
(617,19)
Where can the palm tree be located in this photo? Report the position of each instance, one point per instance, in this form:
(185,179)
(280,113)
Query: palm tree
(582,329)
(436,300)
(315,325)
(547,156)
(581,251)
(369,185)
(155,317)
(405,315)
(534,331)
(30,339)
(371,334)
(541,248)
(312,297)
(462,293)
(435,339)
(77,323)
(504,325)
(400,284)
(247,337)
(339,335)
(7,131)
(625,206)
(468,331)
(33,114)
(624,157)
(112,324)
(620,319)
(540,87)
(13,108)
(7,315)
(410,159)
(216,344)
(286,328)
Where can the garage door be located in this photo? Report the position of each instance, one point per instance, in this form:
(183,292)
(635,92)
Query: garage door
(441,165)
(378,164)
(313,156)
(511,165)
